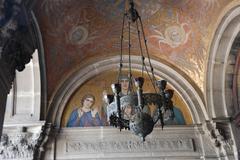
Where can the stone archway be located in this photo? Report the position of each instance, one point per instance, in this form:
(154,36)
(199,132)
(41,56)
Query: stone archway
(217,64)
(67,141)
(219,75)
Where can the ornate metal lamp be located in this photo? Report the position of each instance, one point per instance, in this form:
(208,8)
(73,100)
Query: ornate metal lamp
(141,122)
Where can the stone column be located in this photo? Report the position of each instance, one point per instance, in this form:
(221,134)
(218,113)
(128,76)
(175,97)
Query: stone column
(17,44)
(6,79)
(3,98)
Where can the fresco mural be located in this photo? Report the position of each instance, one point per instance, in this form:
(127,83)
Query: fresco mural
(88,107)
(79,32)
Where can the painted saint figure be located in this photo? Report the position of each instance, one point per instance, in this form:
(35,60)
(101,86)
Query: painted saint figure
(127,108)
(86,115)
(127,112)
(125,84)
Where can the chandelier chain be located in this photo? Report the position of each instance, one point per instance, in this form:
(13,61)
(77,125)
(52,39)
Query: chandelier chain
(130,87)
(153,79)
(140,45)
(121,52)
(136,105)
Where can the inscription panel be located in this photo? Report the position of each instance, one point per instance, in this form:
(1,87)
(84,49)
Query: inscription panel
(153,145)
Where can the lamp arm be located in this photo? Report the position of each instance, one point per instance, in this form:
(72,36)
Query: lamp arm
(116,90)
(119,122)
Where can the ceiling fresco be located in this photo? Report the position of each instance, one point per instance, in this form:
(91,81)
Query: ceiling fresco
(77,31)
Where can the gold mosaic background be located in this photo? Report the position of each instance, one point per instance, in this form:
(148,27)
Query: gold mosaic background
(102,82)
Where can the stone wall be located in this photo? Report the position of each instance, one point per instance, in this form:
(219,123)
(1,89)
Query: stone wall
(175,142)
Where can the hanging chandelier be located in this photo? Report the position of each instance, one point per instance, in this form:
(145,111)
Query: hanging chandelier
(135,102)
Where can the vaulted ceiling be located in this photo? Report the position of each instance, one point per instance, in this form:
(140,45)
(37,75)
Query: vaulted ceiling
(80,32)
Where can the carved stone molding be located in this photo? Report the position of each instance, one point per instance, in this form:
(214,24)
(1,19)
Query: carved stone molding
(219,132)
(39,148)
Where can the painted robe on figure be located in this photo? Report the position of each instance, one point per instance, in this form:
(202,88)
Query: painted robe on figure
(86,119)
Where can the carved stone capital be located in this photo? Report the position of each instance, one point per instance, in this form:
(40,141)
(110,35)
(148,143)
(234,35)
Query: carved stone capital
(18,146)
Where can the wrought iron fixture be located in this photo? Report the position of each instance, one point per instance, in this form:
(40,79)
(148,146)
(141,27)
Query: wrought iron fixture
(140,122)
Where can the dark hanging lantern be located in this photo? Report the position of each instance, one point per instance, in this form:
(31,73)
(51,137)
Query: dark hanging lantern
(140,122)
